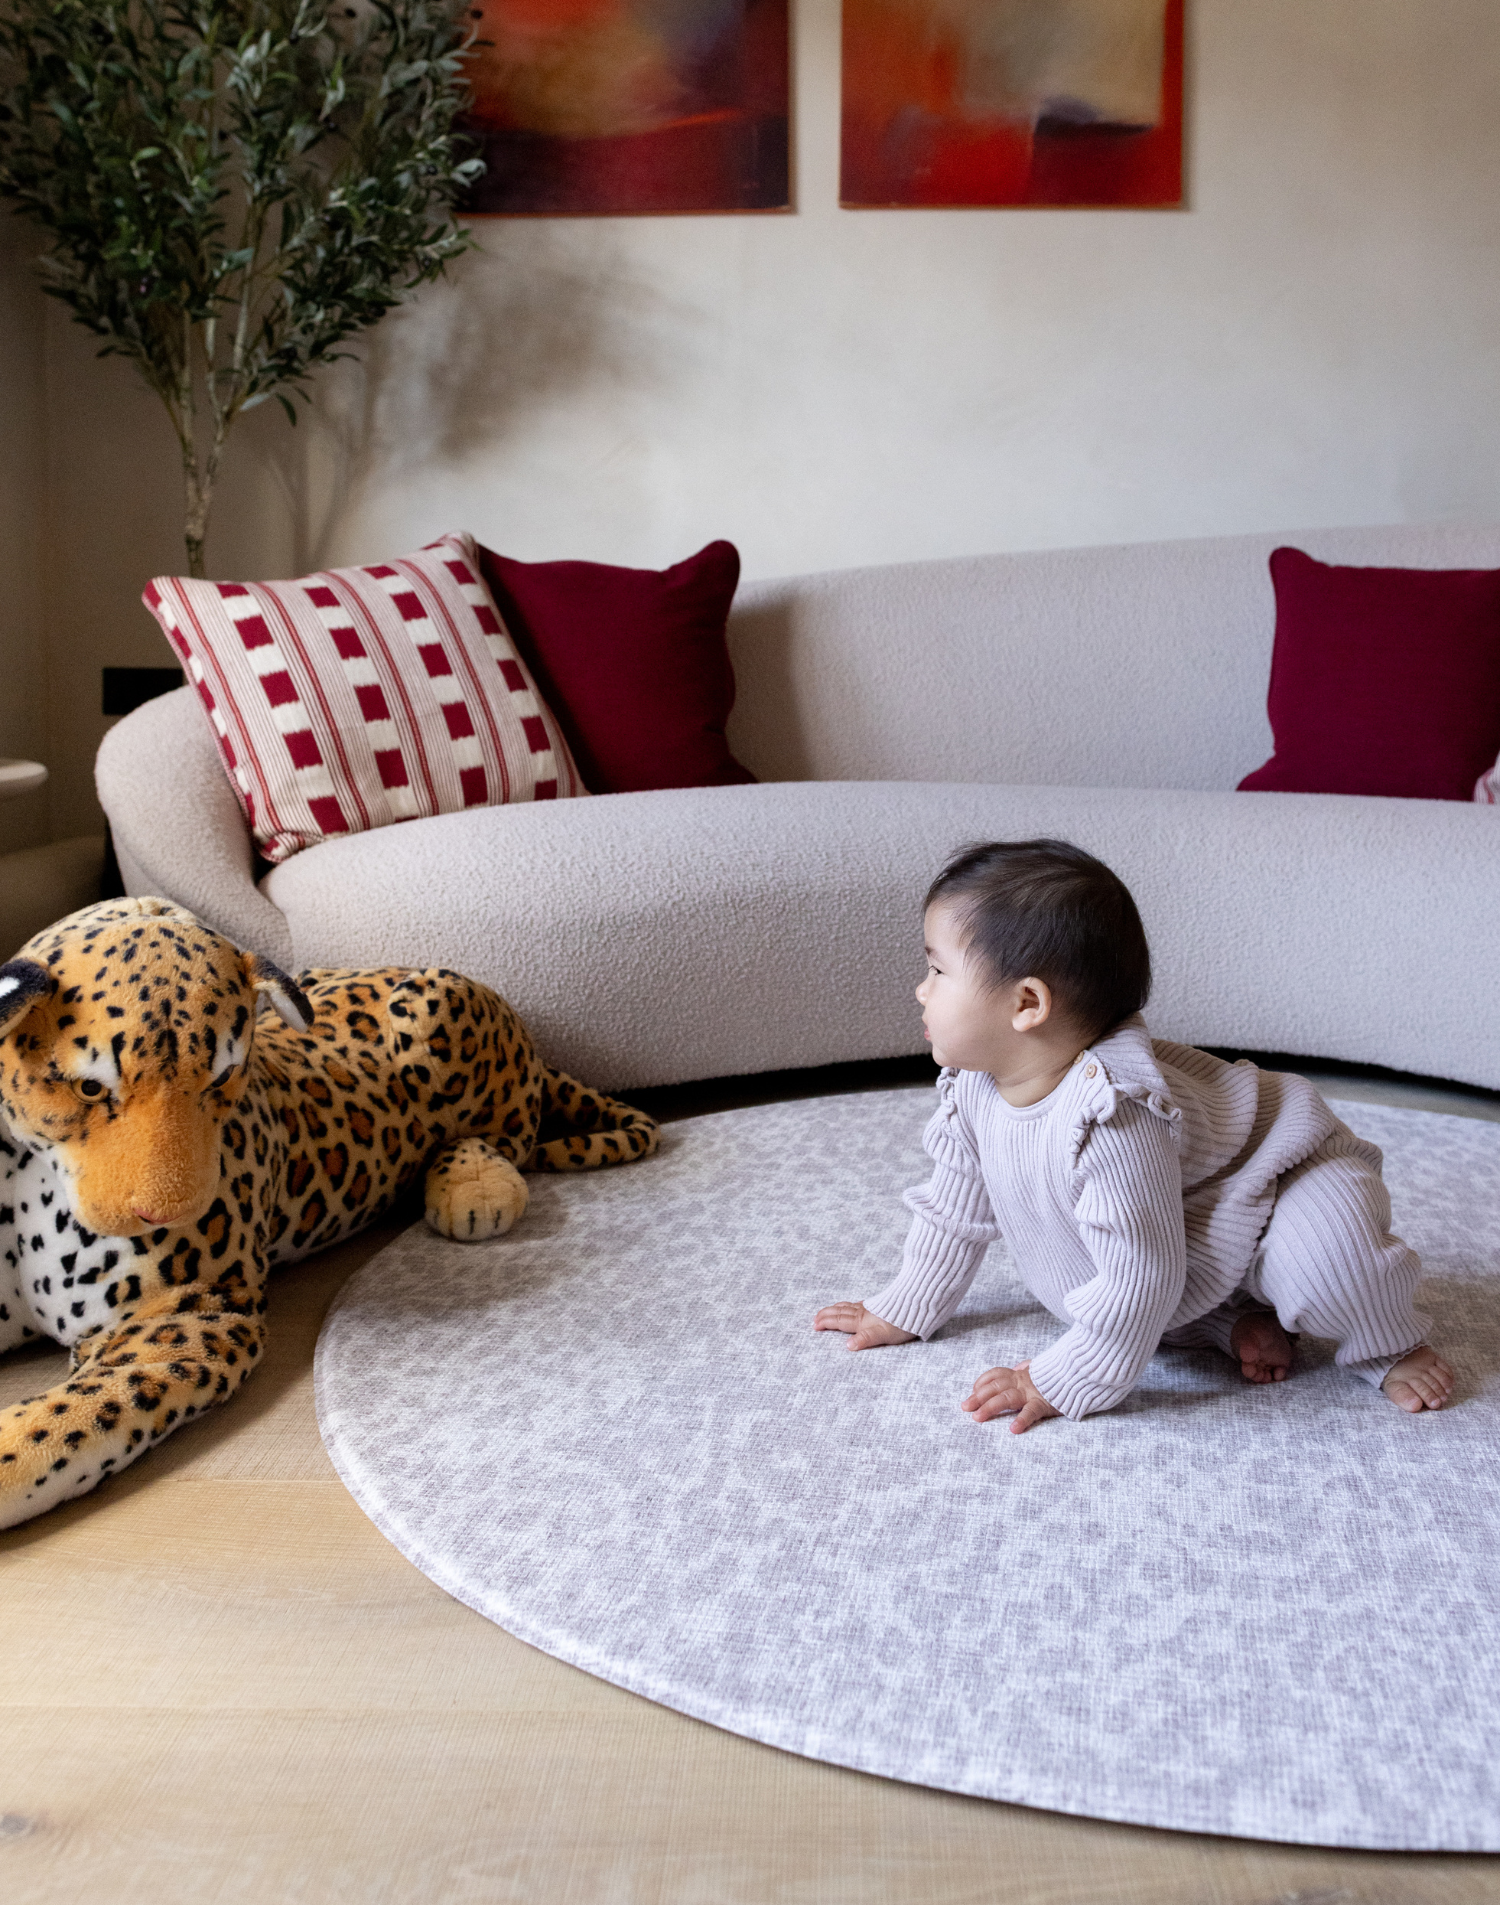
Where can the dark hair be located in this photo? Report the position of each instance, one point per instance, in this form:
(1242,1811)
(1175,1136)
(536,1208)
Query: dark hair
(1044,909)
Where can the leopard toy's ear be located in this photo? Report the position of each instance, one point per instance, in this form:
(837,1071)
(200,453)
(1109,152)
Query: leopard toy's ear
(291,1002)
(22,983)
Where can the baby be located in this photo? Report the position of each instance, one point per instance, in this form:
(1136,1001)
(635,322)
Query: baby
(1152,1194)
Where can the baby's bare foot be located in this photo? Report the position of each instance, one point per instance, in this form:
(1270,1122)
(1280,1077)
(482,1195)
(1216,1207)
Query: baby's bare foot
(1421,1380)
(1261,1346)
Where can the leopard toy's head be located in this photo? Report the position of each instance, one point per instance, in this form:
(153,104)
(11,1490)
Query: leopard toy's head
(125,1034)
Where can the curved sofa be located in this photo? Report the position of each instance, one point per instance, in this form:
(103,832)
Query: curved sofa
(1109,696)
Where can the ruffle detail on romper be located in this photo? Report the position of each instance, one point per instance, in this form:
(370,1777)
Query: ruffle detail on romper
(1125,1068)
(945,1140)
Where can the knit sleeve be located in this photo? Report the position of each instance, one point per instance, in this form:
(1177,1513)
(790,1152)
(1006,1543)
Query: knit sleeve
(952,1227)
(1129,1213)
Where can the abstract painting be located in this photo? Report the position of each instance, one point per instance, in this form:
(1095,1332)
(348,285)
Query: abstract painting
(1012,102)
(589,106)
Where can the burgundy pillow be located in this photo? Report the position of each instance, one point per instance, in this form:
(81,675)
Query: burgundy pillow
(1383,681)
(632,662)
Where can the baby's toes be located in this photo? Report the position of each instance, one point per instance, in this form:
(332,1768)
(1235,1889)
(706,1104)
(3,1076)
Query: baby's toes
(1433,1390)
(1420,1380)
(1431,1377)
(1260,1343)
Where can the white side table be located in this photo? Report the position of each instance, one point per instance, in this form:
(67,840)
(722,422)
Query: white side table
(20,777)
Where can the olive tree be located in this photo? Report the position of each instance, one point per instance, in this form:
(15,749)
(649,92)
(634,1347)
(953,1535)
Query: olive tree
(231,189)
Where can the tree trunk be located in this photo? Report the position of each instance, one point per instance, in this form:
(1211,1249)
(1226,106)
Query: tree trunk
(197,499)
(199,487)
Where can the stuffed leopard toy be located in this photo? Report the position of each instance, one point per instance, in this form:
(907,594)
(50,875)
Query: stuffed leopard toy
(162,1146)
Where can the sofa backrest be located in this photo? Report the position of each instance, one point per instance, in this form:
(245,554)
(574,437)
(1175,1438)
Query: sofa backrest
(1144,665)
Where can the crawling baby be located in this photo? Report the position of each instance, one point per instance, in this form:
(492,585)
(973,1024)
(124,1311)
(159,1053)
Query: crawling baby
(1152,1194)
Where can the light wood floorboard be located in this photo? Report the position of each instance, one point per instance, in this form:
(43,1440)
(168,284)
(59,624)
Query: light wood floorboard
(219,1683)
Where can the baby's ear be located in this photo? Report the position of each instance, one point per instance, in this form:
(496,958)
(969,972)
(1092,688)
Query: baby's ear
(22,984)
(291,1002)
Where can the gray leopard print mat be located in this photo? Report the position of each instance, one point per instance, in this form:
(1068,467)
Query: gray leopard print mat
(1266,1612)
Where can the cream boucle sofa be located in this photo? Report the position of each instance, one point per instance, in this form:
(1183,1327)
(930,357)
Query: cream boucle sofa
(1110,696)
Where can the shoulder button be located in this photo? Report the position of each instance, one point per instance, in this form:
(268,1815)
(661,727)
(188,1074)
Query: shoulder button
(1091,1071)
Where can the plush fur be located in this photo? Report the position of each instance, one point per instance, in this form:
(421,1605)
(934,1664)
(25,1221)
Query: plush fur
(162,1146)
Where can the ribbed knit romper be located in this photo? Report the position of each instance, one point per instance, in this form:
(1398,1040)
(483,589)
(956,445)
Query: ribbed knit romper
(1150,1198)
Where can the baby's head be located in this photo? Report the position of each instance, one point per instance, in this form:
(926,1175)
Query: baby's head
(1030,929)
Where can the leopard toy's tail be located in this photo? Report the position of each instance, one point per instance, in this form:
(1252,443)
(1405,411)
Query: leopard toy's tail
(600,1130)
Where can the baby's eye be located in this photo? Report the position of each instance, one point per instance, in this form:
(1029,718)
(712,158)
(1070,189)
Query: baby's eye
(91,1088)
(218,1084)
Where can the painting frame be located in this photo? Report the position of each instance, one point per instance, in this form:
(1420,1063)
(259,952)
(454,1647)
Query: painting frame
(630,108)
(970,104)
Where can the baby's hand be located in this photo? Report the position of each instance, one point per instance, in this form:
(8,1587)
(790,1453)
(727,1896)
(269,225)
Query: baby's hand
(864,1329)
(1009,1392)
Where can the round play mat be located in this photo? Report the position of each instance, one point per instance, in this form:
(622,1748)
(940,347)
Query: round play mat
(1268,1612)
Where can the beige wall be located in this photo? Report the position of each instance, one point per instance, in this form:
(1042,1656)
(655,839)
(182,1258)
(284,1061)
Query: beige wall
(23,647)
(1312,342)
(114,491)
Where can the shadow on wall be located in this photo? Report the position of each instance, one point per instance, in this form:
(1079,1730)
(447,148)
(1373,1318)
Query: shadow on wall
(540,316)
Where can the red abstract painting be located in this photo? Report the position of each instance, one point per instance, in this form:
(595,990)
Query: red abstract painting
(1012,102)
(589,106)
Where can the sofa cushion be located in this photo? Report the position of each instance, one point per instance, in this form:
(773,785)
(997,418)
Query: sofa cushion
(353,698)
(632,661)
(1383,681)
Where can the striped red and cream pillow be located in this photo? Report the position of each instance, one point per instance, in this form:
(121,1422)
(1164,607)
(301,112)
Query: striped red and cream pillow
(358,697)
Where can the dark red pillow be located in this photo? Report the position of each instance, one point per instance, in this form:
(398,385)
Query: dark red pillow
(632,662)
(1383,681)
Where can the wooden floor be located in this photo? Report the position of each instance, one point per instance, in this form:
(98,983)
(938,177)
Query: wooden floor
(219,1683)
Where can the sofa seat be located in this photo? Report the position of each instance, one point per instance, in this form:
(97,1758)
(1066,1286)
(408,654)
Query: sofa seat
(652,938)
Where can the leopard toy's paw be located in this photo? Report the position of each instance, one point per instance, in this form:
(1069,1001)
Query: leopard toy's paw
(473,1192)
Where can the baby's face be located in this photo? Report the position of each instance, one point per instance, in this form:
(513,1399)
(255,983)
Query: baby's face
(969,1026)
